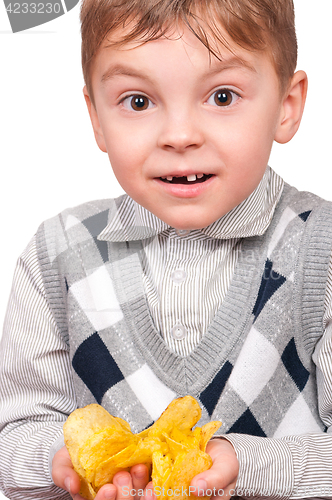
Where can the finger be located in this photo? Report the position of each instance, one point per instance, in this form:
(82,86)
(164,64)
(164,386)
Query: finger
(148,493)
(124,486)
(63,474)
(77,497)
(140,478)
(214,479)
(106,492)
(220,479)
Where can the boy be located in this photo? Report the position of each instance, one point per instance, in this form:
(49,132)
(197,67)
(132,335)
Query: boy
(212,277)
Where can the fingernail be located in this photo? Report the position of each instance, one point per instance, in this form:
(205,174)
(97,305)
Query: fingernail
(67,484)
(139,474)
(202,487)
(148,493)
(109,494)
(122,480)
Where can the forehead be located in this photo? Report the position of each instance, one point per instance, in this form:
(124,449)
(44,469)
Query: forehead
(177,48)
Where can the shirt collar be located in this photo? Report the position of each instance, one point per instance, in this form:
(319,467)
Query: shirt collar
(250,218)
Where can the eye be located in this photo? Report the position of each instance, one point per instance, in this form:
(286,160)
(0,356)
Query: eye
(137,102)
(223,98)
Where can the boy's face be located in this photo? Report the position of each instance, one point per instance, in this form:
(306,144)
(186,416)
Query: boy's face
(166,110)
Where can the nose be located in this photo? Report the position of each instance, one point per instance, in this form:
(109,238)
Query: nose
(181,132)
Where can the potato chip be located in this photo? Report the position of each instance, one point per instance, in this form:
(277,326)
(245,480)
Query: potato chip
(81,425)
(101,445)
(107,469)
(86,490)
(161,468)
(144,433)
(143,452)
(182,413)
(190,464)
(166,488)
(175,447)
(197,433)
(123,424)
(207,432)
(188,439)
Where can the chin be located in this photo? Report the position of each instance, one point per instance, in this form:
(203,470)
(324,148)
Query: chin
(189,225)
(187,218)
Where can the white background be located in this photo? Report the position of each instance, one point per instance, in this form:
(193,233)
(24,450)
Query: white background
(49,160)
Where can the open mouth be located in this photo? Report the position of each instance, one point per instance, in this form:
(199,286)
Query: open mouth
(188,179)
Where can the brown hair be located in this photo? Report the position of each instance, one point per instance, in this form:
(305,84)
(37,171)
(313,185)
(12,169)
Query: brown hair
(252,24)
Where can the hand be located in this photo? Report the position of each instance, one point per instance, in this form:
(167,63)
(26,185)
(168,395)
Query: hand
(66,478)
(131,486)
(223,474)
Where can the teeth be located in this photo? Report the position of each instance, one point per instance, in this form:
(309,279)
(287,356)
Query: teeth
(190,178)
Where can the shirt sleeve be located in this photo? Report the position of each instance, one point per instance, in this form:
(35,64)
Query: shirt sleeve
(293,467)
(36,389)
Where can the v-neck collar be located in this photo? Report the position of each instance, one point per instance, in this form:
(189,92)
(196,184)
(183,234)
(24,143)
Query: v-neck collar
(191,373)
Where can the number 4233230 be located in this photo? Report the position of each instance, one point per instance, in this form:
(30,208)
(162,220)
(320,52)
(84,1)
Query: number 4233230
(34,8)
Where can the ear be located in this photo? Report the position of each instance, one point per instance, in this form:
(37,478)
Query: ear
(292,108)
(95,121)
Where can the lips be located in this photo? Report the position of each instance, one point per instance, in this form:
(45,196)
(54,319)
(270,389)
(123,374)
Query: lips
(188,179)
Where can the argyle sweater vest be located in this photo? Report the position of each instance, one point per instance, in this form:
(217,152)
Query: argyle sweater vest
(253,369)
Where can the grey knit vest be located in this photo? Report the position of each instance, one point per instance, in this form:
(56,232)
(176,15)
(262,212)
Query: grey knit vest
(253,368)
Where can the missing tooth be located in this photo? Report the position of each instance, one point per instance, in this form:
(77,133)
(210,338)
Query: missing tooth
(184,180)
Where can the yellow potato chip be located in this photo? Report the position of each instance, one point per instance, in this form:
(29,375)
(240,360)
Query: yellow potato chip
(208,430)
(189,439)
(175,447)
(123,423)
(101,446)
(182,413)
(184,470)
(161,468)
(197,433)
(86,490)
(144,433)
(143,452)
(107,469)
(81,425)
(166,488)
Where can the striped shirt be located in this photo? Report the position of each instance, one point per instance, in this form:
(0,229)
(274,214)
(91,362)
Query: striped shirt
(186,276)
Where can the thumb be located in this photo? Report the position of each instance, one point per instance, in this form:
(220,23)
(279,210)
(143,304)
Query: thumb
(63,474)
(220,479)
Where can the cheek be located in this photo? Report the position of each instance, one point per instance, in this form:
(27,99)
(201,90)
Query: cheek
(253,140)
(247,148)
(128,146)
(244,147)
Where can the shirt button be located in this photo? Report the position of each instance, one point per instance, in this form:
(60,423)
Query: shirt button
(178,276)
(178,332)
(182,232)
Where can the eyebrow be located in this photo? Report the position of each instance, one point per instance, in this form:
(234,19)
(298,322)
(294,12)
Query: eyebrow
(123,70)
(232,62)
